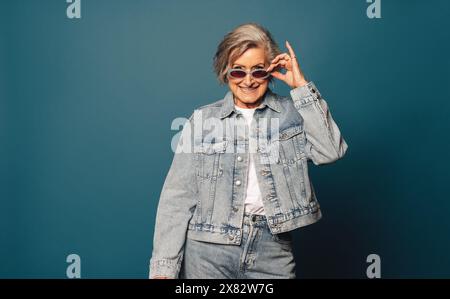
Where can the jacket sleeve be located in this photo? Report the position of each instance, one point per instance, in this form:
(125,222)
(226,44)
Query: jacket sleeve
(175,208)
(324,142)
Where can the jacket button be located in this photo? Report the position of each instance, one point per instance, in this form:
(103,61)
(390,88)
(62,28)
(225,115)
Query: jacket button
(235,209)
(238,183)
(239,158)
(231,237)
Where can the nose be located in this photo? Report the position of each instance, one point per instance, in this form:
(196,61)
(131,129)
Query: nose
(248,80)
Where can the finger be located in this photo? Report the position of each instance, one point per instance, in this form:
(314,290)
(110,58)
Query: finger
(279,76)
(271,67)
(291,51)
(274,65)
(293,56)
(278,57)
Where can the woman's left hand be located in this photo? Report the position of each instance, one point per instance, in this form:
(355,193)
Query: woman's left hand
(293,76)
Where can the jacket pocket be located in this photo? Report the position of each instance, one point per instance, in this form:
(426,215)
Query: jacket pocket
(292,143)
(209,167)
(209,170)
(293,160)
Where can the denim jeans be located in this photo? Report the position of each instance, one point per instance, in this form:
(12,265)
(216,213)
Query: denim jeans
(261,255)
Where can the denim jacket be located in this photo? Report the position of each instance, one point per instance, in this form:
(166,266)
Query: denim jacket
(203,195)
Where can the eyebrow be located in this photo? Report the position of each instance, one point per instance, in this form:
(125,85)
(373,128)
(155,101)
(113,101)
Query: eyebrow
(256,65)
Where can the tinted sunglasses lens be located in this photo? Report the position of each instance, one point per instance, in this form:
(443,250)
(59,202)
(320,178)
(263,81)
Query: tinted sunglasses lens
(260,74)
(238,74)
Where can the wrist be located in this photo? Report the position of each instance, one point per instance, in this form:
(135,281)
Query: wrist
(301,83)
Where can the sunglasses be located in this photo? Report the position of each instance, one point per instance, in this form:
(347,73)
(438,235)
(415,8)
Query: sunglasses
(259,74)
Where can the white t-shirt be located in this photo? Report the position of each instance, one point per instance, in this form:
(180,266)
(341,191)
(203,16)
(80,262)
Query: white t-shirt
(253,199)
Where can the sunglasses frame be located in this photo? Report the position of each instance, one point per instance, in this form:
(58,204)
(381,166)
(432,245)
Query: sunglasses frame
(248,72)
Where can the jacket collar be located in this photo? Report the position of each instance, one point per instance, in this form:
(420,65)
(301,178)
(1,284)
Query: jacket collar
(269,99)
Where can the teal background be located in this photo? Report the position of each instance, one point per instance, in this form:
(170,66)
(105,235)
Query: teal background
(86,108)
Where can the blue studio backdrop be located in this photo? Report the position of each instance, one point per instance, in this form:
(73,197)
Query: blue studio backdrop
(85,128)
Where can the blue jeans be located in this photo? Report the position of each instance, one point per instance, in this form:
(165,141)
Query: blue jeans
(261,255)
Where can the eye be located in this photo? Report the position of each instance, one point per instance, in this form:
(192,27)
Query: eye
(237,74)
(260,74)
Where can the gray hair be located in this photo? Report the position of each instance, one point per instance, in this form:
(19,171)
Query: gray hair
(239,40)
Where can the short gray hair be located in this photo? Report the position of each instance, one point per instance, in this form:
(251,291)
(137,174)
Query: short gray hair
(239,40)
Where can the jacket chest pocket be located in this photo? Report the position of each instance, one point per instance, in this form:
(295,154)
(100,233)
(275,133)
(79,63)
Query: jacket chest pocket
(291,145)
(209,159)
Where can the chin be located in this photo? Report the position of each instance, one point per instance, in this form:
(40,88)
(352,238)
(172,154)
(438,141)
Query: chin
(250,98)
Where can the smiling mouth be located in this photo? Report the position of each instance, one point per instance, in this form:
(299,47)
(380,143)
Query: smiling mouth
(248,89)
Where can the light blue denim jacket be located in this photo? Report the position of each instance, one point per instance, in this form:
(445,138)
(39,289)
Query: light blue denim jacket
(204,191)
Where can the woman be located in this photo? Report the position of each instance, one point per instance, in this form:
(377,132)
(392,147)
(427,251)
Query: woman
(236,190)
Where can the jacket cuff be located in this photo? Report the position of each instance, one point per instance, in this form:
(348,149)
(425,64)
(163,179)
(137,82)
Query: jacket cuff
(164,267)
(305,94)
